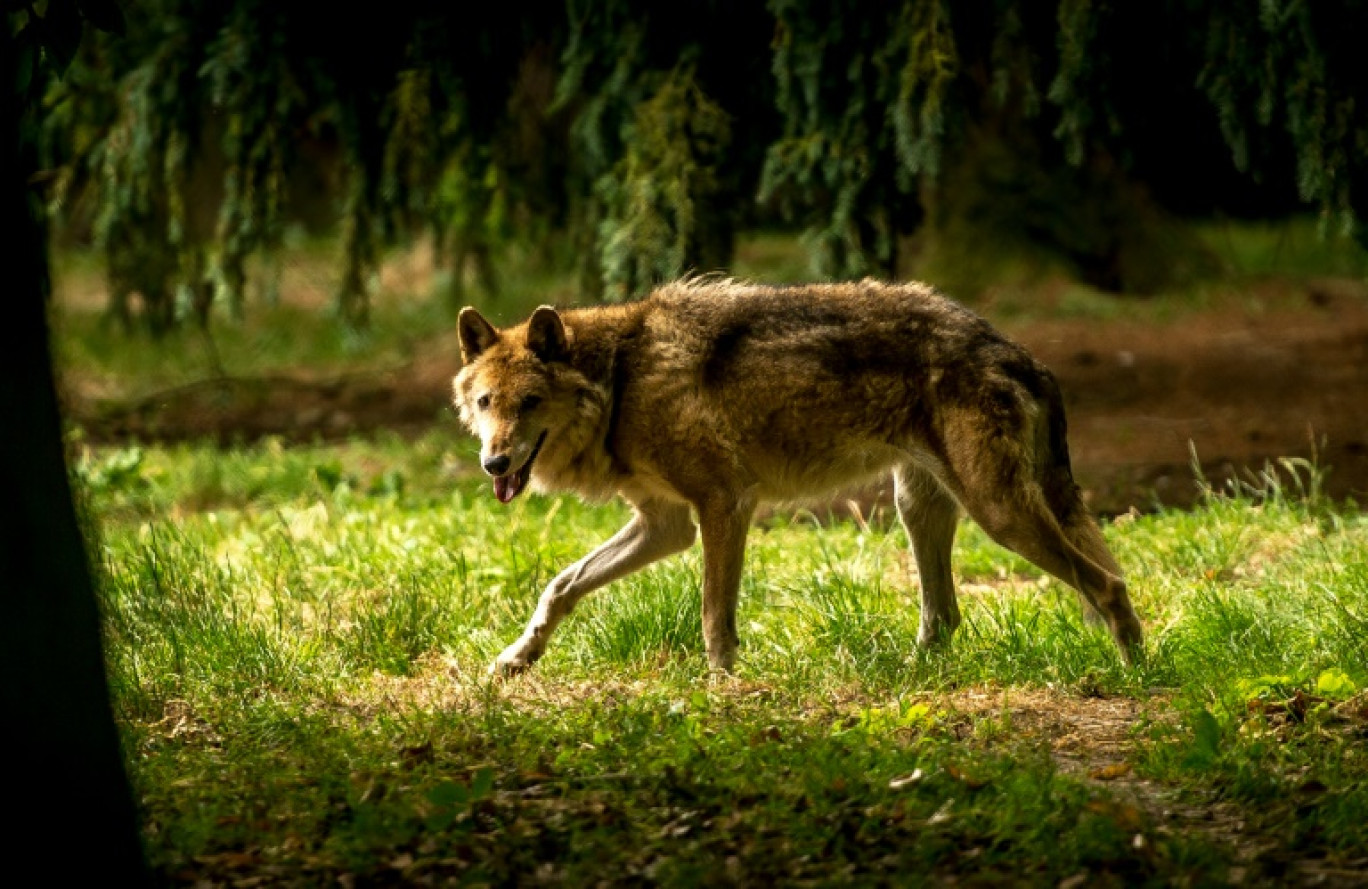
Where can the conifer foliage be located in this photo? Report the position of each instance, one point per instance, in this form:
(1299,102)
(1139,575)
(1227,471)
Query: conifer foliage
(639,137)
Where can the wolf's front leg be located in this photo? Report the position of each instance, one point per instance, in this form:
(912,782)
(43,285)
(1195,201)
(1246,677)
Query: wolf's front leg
(725,523)
(657,530)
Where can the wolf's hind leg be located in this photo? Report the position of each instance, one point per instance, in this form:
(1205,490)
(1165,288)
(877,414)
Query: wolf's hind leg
(657,530)
(1020,520)
(929,515)
(724,522)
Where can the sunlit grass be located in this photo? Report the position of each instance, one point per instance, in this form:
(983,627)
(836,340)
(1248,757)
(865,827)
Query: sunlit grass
(298,639)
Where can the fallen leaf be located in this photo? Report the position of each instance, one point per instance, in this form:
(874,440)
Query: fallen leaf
(1110,772)
(229,860)
(968,780)
(943,813)
(417,755)
(1302,703)
(1125,518)
(906,780)
(769,733)
(1124,815)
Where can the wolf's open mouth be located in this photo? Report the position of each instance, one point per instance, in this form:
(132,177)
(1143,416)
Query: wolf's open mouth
(508,486)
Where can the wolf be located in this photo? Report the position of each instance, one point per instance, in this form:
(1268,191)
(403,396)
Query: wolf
(708,397)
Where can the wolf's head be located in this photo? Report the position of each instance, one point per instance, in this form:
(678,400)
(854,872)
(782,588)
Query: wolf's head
(517,392)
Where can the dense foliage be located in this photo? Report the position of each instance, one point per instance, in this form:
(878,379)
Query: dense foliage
(638,137)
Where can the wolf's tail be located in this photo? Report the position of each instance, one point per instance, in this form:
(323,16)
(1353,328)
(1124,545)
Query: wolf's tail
(1053,469)
(1054,472)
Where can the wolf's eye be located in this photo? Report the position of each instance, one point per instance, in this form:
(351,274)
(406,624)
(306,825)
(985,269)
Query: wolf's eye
(482,402)
(529,403)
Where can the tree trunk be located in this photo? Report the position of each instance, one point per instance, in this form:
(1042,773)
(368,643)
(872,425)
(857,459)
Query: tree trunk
(358,261)
(71,816)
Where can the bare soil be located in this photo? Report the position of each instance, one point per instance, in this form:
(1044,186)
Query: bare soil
(1240,388)
(1093,738)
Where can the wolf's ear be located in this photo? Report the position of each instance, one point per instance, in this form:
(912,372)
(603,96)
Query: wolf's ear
(477,334)
(546,335)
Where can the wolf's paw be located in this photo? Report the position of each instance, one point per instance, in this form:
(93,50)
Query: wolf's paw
(935,637)
(506,668)
(722,663)
(1133,654)
(516,658)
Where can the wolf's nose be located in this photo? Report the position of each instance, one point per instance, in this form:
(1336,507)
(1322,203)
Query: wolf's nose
(497,465)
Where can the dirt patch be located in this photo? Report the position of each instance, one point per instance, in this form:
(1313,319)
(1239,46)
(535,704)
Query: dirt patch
(1093,738)
(1241,388)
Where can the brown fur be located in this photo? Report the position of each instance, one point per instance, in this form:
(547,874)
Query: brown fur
(708,397)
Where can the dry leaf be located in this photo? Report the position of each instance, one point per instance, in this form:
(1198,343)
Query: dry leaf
(906,780)
(943,813)
(417,755)
(229,860)
(1127,817)
(769,733)
(1110,772)
(968,780)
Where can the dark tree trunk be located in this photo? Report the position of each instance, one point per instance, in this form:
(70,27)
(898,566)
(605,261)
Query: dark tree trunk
(358,261)
(71,817)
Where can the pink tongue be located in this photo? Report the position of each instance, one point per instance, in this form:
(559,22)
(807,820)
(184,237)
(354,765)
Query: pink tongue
(506,487)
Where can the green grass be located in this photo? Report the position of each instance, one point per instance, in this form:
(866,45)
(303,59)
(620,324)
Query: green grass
(298,637)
